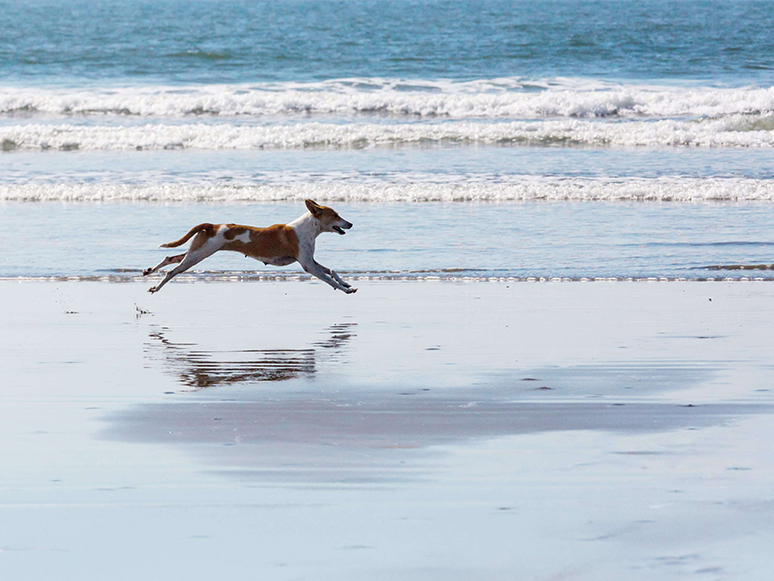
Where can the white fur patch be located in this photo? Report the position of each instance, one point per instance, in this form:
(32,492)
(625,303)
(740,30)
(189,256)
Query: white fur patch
(244,237)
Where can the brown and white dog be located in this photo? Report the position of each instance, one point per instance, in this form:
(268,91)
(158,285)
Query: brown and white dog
(279,245)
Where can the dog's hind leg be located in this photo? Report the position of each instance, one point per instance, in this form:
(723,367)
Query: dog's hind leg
(168,260)
(191,258)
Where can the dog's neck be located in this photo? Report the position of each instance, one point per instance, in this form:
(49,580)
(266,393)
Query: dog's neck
(307,225)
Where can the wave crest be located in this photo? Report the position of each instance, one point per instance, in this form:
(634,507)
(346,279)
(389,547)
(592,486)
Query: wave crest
(488,99)
(734,131)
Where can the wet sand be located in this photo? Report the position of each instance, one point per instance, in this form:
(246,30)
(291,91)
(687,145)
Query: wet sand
(415,430)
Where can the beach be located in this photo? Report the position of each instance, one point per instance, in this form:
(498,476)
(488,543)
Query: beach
(557,363)
(424,430)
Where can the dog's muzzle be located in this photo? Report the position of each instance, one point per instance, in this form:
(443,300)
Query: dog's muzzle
(340,229)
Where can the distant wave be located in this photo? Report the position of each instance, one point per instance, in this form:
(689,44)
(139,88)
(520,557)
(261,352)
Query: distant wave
(516,190)
(486,99)
(731,131)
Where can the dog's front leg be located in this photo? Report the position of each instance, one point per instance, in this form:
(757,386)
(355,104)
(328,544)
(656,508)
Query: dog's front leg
(320,272)
(334,275)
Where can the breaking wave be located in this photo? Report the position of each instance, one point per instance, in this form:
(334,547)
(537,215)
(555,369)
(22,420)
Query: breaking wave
(733,131)
(488,99)
(513,190)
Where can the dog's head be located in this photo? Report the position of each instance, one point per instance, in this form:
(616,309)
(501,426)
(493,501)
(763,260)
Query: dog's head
(328,218)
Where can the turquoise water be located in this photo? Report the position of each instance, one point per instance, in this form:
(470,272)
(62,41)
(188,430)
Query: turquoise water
(226,41)
(523,139)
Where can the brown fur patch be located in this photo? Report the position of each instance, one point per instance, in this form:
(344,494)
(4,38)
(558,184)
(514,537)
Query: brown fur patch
(207,231)
(276,241)
(327,215)
(233,231)
(324,214)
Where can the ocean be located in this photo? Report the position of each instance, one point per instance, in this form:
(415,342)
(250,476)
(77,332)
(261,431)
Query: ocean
(467,141)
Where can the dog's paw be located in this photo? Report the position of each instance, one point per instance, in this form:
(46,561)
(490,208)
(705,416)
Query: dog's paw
(350,290)
(152,290)
(147,271)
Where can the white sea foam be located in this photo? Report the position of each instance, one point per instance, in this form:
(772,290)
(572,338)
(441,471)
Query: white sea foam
(732,131)
(385,191)
(495,98)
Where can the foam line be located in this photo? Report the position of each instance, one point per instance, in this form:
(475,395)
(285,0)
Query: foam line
(516,190)
(733,131)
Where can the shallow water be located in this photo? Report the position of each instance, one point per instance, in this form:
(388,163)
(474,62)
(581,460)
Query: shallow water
(450,241)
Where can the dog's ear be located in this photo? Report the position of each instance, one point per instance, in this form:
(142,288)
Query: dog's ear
(313,207)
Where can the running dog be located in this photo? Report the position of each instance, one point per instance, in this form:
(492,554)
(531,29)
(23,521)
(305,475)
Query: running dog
(279,245)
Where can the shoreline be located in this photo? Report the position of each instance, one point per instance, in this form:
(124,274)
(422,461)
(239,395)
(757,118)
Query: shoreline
(300,276)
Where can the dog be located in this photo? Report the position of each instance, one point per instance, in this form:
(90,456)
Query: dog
(278,245)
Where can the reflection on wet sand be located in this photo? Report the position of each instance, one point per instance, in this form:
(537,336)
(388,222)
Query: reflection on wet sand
(199,368)
(367,434)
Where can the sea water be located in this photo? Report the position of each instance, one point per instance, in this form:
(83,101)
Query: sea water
(465,140)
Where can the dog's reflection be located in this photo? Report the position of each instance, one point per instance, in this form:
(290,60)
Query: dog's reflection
(199,368)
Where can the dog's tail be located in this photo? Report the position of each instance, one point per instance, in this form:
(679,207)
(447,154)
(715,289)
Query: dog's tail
(209,228)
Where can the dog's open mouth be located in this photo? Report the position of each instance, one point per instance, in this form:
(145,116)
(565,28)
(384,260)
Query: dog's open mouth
(339,229)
